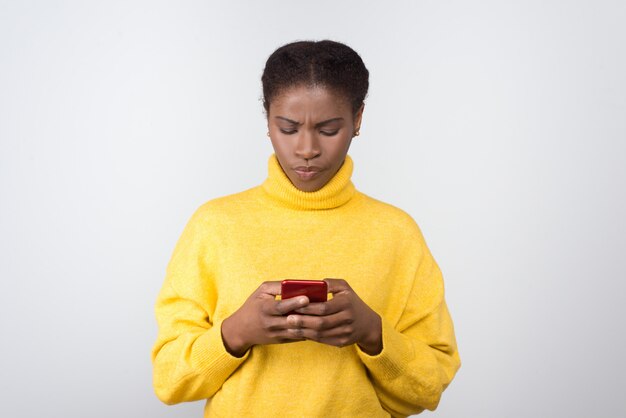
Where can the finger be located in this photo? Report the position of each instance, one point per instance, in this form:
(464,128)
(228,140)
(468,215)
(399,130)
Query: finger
(285,306)
(269,288)
(337,285)
(323,308)
(297,333)
(338,337)
(277,329)
(320,323)
(291,332)
(294,327)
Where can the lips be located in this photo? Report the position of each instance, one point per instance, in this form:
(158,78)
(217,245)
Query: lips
(307,169)
(306,173)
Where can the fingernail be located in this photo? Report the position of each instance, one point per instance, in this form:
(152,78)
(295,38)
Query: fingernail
(302,301)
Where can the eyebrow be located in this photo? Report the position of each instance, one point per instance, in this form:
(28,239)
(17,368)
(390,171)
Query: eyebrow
(317,125)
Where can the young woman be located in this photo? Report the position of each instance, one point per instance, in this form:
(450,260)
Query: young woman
(383,344)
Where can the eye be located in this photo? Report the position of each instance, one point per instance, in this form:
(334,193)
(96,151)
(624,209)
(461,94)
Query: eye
(329,133)
(288,131)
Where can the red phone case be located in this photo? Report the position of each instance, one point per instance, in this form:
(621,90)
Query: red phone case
(315,290)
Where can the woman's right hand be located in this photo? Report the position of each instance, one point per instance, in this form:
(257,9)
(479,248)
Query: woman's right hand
(261,320)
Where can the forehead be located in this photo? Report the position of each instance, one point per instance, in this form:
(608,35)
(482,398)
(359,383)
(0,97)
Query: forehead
(316,102)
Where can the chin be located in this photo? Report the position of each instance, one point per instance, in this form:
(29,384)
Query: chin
(309,187)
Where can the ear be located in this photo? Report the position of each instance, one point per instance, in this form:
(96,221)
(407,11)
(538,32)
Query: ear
(358,117)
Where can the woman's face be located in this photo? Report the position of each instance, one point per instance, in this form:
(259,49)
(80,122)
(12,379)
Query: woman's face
(311,129)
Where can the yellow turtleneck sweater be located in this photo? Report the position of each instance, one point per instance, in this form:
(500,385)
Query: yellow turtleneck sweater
(275,231)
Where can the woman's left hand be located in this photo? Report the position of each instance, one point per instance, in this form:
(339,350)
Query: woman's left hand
(341,321)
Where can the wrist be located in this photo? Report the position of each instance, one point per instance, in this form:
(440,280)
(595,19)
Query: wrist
(372,344)
(233,342)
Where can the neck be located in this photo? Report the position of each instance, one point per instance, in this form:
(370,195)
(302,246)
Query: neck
(337,192)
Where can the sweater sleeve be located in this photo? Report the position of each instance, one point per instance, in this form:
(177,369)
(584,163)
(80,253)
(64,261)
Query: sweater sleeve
(419,357)
(190,361)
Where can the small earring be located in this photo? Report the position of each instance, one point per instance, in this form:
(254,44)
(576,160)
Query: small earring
(268,133)
(357,133)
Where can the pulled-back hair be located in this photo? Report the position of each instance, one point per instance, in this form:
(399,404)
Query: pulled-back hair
(324,63)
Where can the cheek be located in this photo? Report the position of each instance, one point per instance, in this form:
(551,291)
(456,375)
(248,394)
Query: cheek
(281,146)
(341,143)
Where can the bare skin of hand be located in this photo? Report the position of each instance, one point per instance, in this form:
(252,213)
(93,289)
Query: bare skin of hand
(341,321)
(261,320)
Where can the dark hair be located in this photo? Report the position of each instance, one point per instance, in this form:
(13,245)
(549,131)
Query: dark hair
(323,63)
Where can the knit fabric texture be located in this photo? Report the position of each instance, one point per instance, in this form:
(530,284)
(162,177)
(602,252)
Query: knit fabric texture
(275,231)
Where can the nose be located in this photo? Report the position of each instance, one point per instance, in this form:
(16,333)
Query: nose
(307,146)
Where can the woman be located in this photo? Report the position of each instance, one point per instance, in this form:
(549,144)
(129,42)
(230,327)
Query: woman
(383,345)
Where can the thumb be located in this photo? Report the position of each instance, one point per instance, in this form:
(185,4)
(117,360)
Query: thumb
(337,285)
(287,305)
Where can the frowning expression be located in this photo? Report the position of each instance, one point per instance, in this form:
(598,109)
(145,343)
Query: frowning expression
(311,129)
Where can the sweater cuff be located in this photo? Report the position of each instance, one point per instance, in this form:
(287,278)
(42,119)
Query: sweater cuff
(211,357)
(397,352)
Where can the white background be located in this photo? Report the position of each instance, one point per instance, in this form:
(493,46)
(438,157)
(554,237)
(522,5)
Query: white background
(499,126)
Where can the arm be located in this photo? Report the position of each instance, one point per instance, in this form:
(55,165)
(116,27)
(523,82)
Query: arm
(419,357)
(190,361)
(194,355)
(192,358)
(410,362)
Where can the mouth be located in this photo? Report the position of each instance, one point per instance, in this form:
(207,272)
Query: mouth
(305,174)
(307,168)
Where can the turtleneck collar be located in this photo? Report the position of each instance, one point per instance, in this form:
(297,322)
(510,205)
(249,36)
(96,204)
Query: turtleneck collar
(335,193)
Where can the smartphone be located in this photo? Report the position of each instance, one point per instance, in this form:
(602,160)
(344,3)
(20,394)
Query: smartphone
(315,290)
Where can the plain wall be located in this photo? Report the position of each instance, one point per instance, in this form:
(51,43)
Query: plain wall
(499,126)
